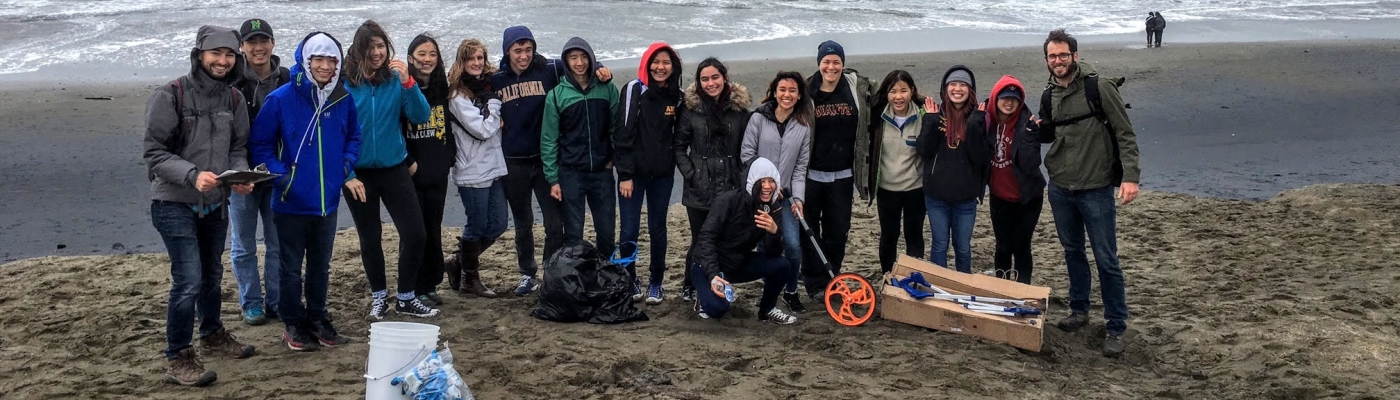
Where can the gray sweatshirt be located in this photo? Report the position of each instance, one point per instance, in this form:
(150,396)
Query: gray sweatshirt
(790,150)
(480,160)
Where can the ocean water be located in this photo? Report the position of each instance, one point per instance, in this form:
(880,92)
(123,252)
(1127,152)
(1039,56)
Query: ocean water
(117,35)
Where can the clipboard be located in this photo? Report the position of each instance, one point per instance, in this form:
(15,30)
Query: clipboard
(257,174)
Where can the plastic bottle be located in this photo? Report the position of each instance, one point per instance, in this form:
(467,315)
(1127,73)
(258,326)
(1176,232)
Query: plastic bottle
(728,290)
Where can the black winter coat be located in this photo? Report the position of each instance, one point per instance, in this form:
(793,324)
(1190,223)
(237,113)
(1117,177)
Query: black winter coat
(730,235)
(708,157)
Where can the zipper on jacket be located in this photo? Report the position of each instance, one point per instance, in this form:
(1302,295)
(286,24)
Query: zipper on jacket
(588,130)
(321,167)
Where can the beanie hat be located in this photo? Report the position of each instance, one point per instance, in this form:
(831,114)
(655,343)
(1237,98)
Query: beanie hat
(959,75)
(828,48)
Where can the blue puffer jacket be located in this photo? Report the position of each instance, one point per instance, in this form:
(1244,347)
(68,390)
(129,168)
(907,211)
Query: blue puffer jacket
(314,149)
(380,108)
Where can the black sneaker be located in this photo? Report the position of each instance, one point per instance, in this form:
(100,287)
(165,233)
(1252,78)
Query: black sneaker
(1073,322)
(794,303)
(778,317)
(377,307)
(699,311)
(325,334)
(415,308)
(688,293)
(298,339)
(1113,345)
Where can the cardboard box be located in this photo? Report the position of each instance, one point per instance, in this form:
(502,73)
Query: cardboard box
(1024,333)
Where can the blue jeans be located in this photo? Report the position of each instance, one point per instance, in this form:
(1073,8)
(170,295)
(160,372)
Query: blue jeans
(656,193)
(486,211)
(195,245)
(774,271)
(957,219)
(599,191)
(791,232)
(243,214)
(311,238)
(1091,211)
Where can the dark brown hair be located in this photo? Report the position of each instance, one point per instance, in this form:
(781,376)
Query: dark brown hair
(802,111)
(882,96)
(1060,36)
(357,69)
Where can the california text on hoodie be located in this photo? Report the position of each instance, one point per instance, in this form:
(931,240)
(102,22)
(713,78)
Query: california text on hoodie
(790,149)
(730,234)
(649,118)
(522,95)
(309,135)
(578,122)
(1081,156)
(381,109)
(479,158)
(1015,174)
(209,132)
(955,172)
(708,155)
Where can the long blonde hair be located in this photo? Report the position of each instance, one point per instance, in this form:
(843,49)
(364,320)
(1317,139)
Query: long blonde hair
(459,82)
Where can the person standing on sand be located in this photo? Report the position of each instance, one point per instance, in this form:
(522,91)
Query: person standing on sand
(1016,183)
(895,169)
(432,149)
(196,127)
(1155,24)
(264,73)
(841,104)
(384,94)
(646,168)
(580,118)
(480,164)
(308,132)
(707,143)
(956,157)
(524,79)
(779,130)
(1088,152)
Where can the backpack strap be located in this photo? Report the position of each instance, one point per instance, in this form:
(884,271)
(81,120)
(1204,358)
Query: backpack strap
(1091,94)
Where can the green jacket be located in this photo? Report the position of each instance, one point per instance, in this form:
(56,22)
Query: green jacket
(861,168)
(578,128)
(1081,156)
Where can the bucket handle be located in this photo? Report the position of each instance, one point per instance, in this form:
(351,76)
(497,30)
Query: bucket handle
(421,350)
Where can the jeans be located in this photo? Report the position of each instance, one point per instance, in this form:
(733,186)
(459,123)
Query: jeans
(599,191)
(696,217)
(955,218)
(486,211)
(524,177)
(394,186)
(896,209)
(431,200)
(195,245)
(244,212)
(656,194)
(828,212)
(311,238)
(1094,212)
(791,232)
(774,271)
(1013,224)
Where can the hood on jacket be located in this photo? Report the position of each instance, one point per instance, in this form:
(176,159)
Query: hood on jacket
(738,97)
(576,43)
(943,85)
(273,61)
(1003,83)
(759,169)
(1081,69)
(212,37)
(515,34)
(644,70)
(317,44)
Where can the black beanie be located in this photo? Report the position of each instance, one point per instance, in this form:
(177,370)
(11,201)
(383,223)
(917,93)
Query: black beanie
(828,48)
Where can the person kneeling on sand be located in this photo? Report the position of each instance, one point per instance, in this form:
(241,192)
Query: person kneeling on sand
(307,132)
(724,253)
(196,126)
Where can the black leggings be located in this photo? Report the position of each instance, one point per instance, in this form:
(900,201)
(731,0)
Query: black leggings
(827,208)
(431,199)
(896,209)
(1013,224)
(394,187)
(697,220)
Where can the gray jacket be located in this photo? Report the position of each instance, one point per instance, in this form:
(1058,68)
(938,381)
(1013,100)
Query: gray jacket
(790,150)
(480,160)
(196,123)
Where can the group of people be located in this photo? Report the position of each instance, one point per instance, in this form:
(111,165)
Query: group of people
(360,124)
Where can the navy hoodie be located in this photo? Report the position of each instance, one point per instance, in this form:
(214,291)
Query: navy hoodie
(522,95)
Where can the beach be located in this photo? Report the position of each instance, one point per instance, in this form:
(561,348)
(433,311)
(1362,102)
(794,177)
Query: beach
(1260,261)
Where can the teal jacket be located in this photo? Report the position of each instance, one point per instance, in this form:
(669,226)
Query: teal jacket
(381,109)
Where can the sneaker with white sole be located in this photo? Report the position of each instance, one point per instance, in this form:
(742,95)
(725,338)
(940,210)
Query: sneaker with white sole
(415,308)
(699,311)
(655,294)
(378,306)
(637,290)
(527,285)
(688,293)
(778,317)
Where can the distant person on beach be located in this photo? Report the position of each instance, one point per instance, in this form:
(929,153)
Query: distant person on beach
(1155,24)
(956,157)
(1090,154)
(1016,183)
(841,104)
(308,133)
(385,94)
(706,145)
(524,79)
(576,145)
(480,165)
(257,295)
(739,243)
(780,131)
(433,150)
(895,169)
(646,166)
(197,127)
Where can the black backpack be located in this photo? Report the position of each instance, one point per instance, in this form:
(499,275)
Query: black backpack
(1091,94)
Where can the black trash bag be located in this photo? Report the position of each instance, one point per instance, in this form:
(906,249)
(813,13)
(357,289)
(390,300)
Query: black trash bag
(582,285)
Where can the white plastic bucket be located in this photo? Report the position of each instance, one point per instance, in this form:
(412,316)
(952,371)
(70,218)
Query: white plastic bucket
(395,348)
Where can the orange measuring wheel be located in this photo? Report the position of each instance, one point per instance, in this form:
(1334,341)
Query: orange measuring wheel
(850,300)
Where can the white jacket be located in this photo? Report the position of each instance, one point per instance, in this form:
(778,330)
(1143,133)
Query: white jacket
(479,158)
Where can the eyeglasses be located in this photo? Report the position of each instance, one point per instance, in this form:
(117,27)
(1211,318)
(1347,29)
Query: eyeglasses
(1061,57)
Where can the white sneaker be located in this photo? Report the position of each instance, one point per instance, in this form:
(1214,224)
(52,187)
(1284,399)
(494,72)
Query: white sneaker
(778,317)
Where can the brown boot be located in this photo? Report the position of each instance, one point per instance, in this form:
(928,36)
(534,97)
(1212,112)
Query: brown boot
(453,265)
(471,270)
(224,343)
(186,370)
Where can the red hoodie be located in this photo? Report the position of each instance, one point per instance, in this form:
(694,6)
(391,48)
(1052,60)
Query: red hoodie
(1002,133)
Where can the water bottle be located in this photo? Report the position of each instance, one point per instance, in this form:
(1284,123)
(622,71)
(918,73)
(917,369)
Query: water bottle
(728,290)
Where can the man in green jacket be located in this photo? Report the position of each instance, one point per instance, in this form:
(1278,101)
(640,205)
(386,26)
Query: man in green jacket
(1083,162)
(576,147)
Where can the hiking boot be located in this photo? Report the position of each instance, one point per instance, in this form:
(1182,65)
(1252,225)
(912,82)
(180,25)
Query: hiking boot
(471,270)
(1073,322)
(186,370)
(432,299)
(453,265)
(1113,345)
(655,294)
(298,339)
(254,316)
(794,303)
(224,343)
(415,308)
(637,290)
(527,285)
(377,307)
(325,334)
(778,317)
(687,293)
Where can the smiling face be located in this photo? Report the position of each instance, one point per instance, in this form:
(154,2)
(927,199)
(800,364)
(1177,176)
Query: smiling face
(323,68)
(521,53)
(660,67)
(712,81)
(787,94)
(899,96)
(1059,60)
(767,187)
(958,92)
(218,62)
(831,67)
(476,63)
(578,63)
(258,50)
(378,52)
(1008,105)
(425,58)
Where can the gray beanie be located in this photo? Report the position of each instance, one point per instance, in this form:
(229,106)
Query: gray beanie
(958,75)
